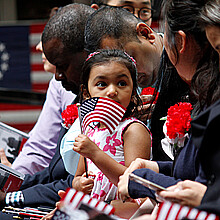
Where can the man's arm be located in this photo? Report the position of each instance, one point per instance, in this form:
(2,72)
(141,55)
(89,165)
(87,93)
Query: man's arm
(45,194)
(39,149)
(37,195)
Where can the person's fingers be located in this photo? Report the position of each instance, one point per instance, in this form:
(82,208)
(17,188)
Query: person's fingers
(190,184)
(168,194)
(3,158)
(175,188)
(146,98)
(61,193)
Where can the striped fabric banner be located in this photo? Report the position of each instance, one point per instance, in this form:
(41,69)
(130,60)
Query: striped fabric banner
(39,78)
(20,116)
(73,199)
(104,110)
(174,211)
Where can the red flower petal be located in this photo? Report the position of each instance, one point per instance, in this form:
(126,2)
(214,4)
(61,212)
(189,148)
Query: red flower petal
(69,115)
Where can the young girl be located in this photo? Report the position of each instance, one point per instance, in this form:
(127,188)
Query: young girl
(110,74)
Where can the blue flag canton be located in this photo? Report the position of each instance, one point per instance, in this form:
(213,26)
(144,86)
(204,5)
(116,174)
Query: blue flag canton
(15,57)
(87,106)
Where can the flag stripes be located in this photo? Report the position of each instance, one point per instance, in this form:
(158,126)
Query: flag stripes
(104,110)
(73,199)
(14,114)
(174,211)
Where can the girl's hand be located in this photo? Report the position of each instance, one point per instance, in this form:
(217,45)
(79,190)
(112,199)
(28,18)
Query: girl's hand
(84,146)
(186,193)
(83,184)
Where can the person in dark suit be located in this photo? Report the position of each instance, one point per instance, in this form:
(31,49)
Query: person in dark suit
(204,81)
(205,129)
(63,45)
(204,135)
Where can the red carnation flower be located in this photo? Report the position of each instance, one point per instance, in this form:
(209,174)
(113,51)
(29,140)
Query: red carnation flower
(150,91)
(178,120)
(69,115)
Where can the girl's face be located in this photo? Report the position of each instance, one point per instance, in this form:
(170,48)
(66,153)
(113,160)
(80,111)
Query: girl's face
(213,35)
(111,80)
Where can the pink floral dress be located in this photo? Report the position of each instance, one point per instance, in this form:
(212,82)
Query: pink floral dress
(111,144)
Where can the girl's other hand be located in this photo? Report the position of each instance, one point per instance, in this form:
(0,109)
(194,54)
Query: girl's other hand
(186,193)
(84,146)
(83,184)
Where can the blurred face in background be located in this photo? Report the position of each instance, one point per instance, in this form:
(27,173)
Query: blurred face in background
(213,36)
(48,67)
(140,8)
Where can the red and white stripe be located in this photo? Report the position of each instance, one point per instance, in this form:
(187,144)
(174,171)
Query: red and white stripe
(73,199)
(23,117)
(107,111)
(39,78)
(174,211)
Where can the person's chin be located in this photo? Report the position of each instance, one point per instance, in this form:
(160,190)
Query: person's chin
(71,87)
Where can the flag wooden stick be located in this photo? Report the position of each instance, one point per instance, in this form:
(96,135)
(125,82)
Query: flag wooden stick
(85,162)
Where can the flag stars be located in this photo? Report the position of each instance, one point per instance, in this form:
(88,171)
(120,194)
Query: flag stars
(2,47)
(4,67)
(5,56)
(4,59)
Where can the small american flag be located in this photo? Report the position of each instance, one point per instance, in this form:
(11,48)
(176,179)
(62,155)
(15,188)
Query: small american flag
(73,199)
(104,110)
(174,211)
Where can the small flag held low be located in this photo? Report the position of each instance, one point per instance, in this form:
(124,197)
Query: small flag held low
(73,199)
(104,110)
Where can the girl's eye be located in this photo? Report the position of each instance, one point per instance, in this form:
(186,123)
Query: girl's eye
(122,83)
(101,84)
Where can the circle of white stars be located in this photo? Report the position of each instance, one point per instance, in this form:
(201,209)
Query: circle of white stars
(4,60)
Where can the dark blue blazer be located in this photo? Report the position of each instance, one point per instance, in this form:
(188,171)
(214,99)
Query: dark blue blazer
(41,189)
(187,166)
(206,132)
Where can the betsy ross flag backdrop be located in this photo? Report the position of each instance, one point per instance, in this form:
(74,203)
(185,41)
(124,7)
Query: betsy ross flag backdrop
(21,68)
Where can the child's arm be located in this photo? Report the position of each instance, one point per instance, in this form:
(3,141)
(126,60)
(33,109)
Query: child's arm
(137,143)
(80,182)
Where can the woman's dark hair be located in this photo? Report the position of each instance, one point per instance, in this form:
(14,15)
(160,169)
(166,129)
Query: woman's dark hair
(205,84)
(210,15)
(106,56)
(183,15)
(206,81)
(172,89)
(178,15)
